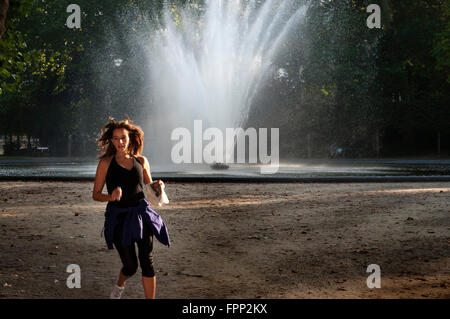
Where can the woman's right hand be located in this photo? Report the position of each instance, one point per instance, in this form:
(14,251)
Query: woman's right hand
(116,194)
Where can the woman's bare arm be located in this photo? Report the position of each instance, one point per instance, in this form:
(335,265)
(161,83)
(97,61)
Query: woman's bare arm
(99,183)
(147,174)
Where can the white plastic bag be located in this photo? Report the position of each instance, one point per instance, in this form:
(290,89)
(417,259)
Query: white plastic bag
(156,200)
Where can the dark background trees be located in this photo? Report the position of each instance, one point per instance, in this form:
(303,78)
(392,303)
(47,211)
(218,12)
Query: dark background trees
(4,4)
(381,92)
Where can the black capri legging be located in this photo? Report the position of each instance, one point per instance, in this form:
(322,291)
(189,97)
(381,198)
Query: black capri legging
(128,253)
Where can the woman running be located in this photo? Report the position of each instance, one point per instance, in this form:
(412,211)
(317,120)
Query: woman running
(129,220)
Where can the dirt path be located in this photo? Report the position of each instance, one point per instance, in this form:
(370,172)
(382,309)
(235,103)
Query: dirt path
(236,241)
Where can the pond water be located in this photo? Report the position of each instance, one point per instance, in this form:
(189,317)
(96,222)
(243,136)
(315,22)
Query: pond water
(66,168)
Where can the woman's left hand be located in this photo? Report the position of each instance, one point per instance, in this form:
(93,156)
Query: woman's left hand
(157,187)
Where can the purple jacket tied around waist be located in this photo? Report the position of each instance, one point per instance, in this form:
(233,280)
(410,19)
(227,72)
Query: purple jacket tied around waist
(133,223)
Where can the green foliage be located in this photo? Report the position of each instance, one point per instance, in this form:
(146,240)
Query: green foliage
(441,48)
(355,82)
(346,82)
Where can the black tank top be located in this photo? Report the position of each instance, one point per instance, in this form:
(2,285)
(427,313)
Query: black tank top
(131,182)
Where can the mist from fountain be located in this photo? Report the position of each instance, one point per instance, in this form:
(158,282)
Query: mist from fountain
(209,61)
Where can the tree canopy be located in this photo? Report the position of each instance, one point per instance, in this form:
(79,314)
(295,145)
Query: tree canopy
(376,90)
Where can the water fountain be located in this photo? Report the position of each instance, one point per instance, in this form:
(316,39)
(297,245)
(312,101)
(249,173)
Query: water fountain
(207,63)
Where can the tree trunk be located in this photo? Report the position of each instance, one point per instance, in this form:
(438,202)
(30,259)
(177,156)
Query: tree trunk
(69,145)
(84,144)
(4,4)
(308,137)
(439,144)
(28,142)
(377,141)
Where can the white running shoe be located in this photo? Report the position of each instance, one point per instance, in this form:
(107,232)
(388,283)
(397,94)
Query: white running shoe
(116,292)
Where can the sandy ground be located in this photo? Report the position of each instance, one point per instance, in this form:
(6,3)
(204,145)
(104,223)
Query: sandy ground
(236,241)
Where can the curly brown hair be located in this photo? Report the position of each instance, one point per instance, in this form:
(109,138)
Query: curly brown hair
(135,134)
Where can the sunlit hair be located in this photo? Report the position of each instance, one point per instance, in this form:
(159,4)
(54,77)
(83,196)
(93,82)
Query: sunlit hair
(135,133)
